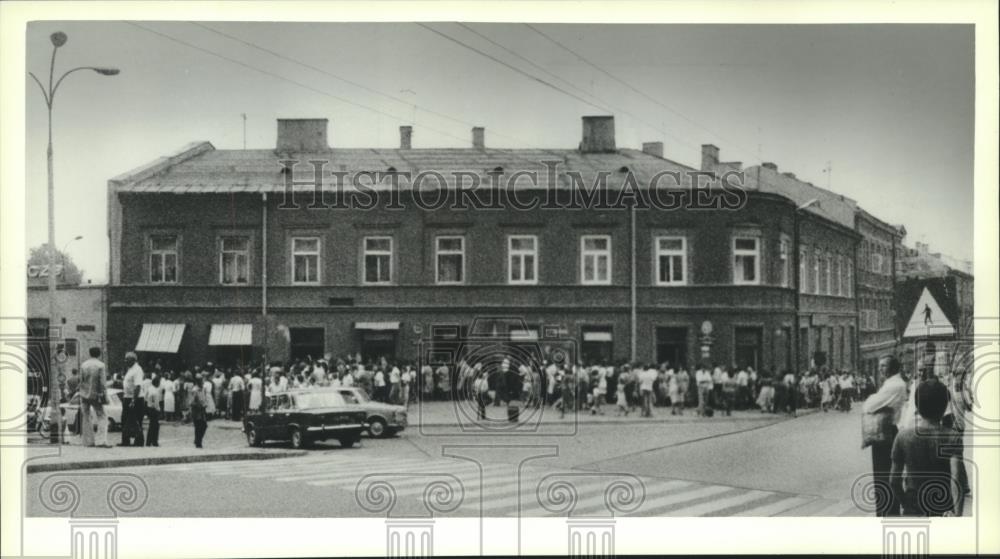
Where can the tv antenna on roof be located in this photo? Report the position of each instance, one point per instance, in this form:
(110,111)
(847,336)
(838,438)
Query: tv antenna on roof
(244,115)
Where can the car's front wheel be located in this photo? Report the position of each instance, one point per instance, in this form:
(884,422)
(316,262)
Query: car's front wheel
(377,428)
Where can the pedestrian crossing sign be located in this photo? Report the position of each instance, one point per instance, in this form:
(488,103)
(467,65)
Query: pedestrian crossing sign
(928,320)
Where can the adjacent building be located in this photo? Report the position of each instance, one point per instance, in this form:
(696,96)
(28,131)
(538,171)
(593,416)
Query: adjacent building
(877,257)
(211,260)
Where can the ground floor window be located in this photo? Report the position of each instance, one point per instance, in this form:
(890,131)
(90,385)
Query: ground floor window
(376,344)
(238,356)
(671,345)
(307,342)
(749,347)
(597,346)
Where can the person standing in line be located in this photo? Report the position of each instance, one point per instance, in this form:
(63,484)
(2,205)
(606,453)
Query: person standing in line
(703,378)
(236,386)
(443,379)
(792,395)
(256,386)
(199,415)
(647,377)
(765,397)
(208,386)
(93,392)
(167,388)
(133,409)
(743,389)
(889,400)
(481,388)
(427,382)
(715,400)
(729,388)
(379,381)
(678,388)
(152,396)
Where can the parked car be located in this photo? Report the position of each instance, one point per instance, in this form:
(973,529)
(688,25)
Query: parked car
(384,420)
(306,416)
(71,411)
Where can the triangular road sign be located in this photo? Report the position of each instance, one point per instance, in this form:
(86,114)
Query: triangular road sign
(928,319)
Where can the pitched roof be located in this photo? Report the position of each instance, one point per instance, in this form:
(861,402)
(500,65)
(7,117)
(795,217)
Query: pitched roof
(832,206)
(212,170)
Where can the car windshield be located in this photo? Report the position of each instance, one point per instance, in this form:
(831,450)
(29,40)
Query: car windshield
(318,400)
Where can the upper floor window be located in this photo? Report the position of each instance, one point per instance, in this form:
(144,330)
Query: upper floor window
(378,260)
(849,279)
(746,260)
(595,259)
(829,274)
(522,259)
(803,276)
(163,259)
(785,263)
(671,255)
(450,259)
(839,291)
(817,256)
(234,260)
(305,260)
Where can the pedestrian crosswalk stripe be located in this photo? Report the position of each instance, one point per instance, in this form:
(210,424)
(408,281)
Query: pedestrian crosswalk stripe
(352,476)
(708,507)
(509,496)
(808,509)
(416,485)
(597,503)
(836,509)
(775,507)
(671,509)
(684,495)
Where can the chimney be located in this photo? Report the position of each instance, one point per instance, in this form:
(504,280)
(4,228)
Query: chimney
(405,135)
(598,134)
(479,137)
(789,175)
(709,157)
(653,148)
(769,165)
(302,135)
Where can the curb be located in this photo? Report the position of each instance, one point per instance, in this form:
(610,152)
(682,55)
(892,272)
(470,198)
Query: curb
(158,460)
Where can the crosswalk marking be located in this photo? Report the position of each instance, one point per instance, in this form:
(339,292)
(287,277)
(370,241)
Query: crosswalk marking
(775,507)
(506,490)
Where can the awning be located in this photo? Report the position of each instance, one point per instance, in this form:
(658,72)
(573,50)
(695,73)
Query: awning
(231,334)
(597,336)
(376,325)
(160,338)
(529,335)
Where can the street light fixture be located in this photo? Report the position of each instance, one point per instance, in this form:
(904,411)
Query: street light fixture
(58,39)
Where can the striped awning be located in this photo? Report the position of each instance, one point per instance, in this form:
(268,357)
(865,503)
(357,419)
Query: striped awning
(160,338)
(597,336)
(231,334)
(376,325)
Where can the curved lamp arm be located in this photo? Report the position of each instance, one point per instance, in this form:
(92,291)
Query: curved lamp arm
(102,71)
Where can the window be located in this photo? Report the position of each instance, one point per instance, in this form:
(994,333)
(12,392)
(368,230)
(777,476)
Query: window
(803,276)
(305,260)
(828,264)
(450,261)
(671,255)
(816,258)
(522,259)
(840,276)
(234,260)
(163,259)
(746,260)
(850,278)
(595,259)
(784,264)
(378,260)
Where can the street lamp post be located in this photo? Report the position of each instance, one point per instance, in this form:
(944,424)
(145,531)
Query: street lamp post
(58,39)
(798,276)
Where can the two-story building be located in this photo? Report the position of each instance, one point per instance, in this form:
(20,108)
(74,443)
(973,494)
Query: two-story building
(213,259)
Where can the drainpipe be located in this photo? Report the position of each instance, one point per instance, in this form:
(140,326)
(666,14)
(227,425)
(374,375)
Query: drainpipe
(634,323)
(263,268)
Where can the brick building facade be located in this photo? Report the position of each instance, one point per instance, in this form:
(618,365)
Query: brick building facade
(210,262)
(877,254)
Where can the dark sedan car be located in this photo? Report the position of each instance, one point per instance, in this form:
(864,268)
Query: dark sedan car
(305,416)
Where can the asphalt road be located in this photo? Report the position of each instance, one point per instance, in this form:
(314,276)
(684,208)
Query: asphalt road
(716,467)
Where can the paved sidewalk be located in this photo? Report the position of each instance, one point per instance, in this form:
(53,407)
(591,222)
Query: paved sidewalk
(176,446)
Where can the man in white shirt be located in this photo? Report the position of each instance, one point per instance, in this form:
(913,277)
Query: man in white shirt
(93,390)
(743,389)
(703,380)
(379,385)
(889,399)
(646,379)
(395,388)
(236,386)
(133,405)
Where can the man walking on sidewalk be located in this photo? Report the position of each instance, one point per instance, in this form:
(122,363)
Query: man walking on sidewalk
(133,408)
(93,391)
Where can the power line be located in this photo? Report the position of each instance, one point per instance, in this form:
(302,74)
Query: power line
(286,79)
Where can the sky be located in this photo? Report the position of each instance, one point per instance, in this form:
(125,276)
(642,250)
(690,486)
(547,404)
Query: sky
(882,114)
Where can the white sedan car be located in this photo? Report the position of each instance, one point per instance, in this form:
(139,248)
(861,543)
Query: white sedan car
(72,408)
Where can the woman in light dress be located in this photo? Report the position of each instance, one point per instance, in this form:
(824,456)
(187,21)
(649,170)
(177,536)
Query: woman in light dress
(209,388)
(167,388)
(256,392)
